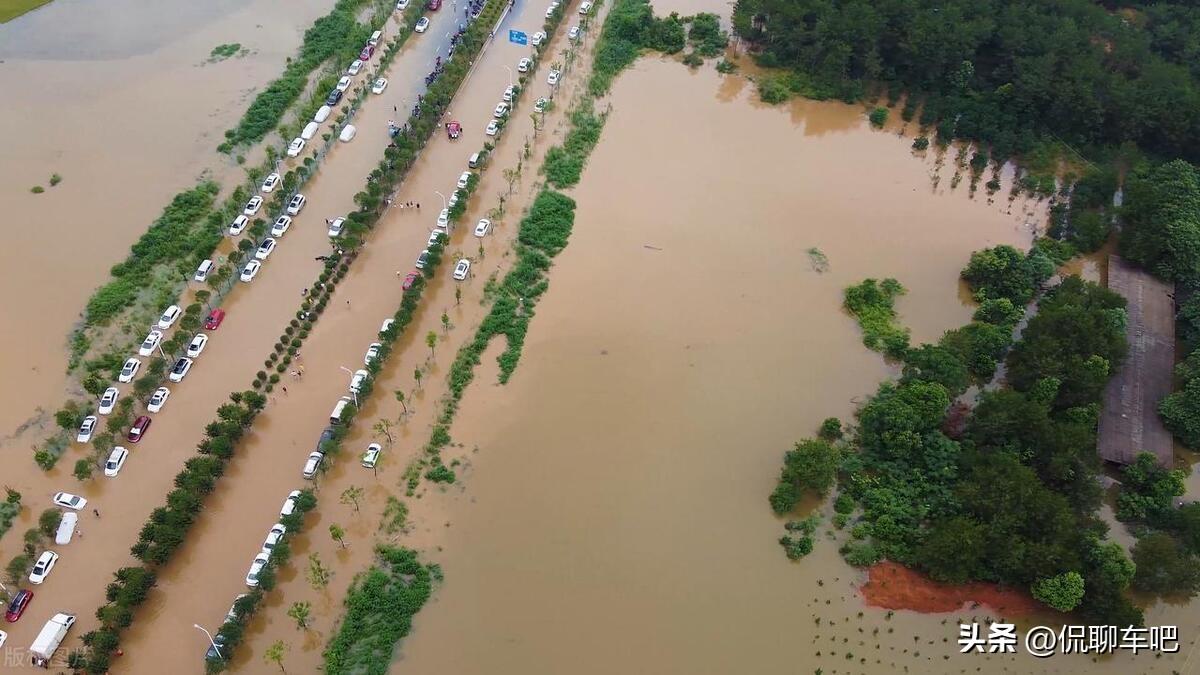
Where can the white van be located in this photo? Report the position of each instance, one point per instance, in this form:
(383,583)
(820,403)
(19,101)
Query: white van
(203,270)
(310,130)
(323,114)
(375,38)
(335,417)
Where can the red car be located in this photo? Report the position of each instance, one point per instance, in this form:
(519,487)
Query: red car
(435,5)
(17,607)
(453,129)
(140,425)
(410,280)
(214,319)
(366,52)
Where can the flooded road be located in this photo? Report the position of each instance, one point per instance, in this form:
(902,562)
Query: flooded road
(121,103)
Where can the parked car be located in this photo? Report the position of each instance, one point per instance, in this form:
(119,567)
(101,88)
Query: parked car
(158,399)
(256,568)
(462,269)
(344,83)
(551,9)
(524,64)
(409,280)
(265,249)
(372,352)
(129,370)
(463,179)
(252,206)
(68,500)
(336,226)
(355,68)
(116,460)
(43,566)
(552,77)
(357,379)
(270,182)
(371,457)
(216,648)
(18,605)
(86,429)
(334,97)
(197,345)
(366,52)
(585,7)
(537,38)
(422,259)
(401,5)
(443,221)
(108,400)
(492,129)
(202,271)
(435,237)
(297,145)
(169,316)
(387,324)
(140,426)
(153,338)
(289,504)
(501,110)
(238,225)
(282,223)
(251,270)
(483,227)
(422,24)
(296,205)
(313,464)
(180,369)
(214,319)
(273,537)
(509,92)
(540,104)
(573,34)
(474,160)
(434,5)
(379,85)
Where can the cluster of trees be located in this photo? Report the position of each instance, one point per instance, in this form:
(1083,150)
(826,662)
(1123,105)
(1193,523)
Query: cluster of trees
(1084,221)
(873,304)
(629,28)
(1168,552)
(563,164)
(1008,74)
(380,607)
(1003,272)
(1162,221)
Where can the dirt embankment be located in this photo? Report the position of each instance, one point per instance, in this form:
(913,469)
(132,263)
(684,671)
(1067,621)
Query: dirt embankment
(893,586)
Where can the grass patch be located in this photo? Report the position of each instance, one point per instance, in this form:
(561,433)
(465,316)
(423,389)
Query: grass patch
(11,9)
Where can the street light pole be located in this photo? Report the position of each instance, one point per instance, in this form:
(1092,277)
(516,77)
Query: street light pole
(443,199)
(210,640)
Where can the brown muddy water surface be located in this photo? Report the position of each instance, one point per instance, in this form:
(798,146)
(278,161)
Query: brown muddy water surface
(615,515)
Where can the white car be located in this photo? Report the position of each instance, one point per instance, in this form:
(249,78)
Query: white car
(153,338)
(550,10)
(180,369)
(158,399)
(524,64)
(421,260)
(256,568)
(295,147)
(422,24)
(453,198)
(197,345)
(537,38)
(435,237)
(264,251)
(169,317)
(312,464)
(116,460)
(493,128)
(462,269)
(483,227)
(251,270)
(387,324)
(108,400)
(238,225)
(86,429)
(253,206)
(509,92)
(69,501)
(294,206)
(289,504)
(129,370)
(3,638)
(41,569)
(552,78)
(443,220)
(344,83)
(573,34)
(585,7)
(358,378)
(355,67)
(273,538)
(335,226)
(270,182)
(463,180)
(540,105)
(501,110)
(282,223)
(372,352)
(401,5)
(379,85)
(371,457)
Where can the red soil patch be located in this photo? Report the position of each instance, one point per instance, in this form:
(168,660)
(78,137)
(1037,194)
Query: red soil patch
(893,586)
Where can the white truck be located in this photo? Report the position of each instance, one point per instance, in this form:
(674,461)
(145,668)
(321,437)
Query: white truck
(50,638)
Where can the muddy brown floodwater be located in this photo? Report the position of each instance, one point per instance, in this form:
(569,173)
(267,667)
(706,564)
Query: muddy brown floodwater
(615,515)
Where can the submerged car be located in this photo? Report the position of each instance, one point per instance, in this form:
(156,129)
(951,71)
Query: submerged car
(483,227)
(492,129)
(289,504)
(238,225)
(256,568)
(140,426)
(336,226)
(296,204)
(422,24)
(41,568)
(108,400)
(462,269)
(409,280)
(282,223)
(214,319)
(158,399)
(372,353)
(17,607)
(116,460)
(197,345)
(153,339)
(379,85)
(68,500)
(86,429)
(180,369)
(169,316)
(265,249)
(250,270)
(270,182)
(371,457)
(129,370)
(253,205)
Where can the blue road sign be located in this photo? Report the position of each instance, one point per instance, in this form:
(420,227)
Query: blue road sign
(517,37)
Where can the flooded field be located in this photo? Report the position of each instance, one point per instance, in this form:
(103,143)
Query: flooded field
(615,517)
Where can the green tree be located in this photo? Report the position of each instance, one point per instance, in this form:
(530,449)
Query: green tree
(933,363)
(1148,491)
(300,611)
(1002,272)
(275,653)
(351,495)
(811,465)
(338,534)
(1162,213)
(431,342)
(318,574)
(1164,567)
(1062,592)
